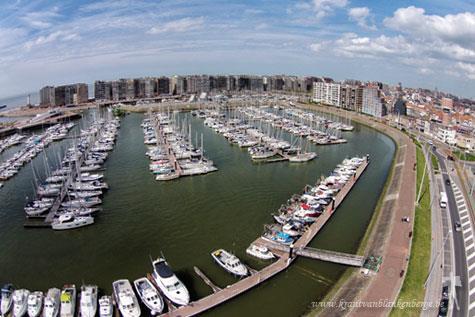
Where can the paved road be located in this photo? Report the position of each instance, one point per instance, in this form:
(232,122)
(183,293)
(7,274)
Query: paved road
(461,281)
(441,246)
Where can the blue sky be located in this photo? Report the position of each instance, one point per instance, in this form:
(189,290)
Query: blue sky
(419,43)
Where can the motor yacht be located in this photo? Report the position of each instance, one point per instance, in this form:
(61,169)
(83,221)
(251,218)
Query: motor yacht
(7,299)
(125,298)
(149,295)
(169,284)
(69,221)
(106,308)
(35,304)
(88,301)
(68,301)
(260,252)
(20,302)
(52,302)
(229,262)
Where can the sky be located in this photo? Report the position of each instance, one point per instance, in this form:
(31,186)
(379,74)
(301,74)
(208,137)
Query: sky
(428,44)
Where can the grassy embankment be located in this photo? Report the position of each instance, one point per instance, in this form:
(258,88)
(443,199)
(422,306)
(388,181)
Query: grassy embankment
(464,156)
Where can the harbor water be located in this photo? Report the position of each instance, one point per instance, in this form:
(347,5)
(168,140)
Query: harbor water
(188,218)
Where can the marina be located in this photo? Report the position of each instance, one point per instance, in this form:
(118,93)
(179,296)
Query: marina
(171,149)
(69,196)
(264,147)
(217,280)
(33,146)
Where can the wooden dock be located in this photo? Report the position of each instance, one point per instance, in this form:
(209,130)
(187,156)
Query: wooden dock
(207,280)
(278,266)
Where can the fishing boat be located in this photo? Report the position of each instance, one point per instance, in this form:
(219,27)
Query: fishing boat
(69,221)
(68,301)
(229,262)
(106,308)
(149,295)
(88,301)
(51,307)
(35,303)
(260,252)
(7,299)
(169,284)
(125,298)
(20,302)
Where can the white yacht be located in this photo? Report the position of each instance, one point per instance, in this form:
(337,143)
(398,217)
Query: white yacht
(35,303)
(260,252)
(169,284)
(106,308)
(125,298)
(51,307)
(20,302)
(7,299)
(88,301)
(69,221)
(68,301)
(229,262)
(302,157)
(149,295)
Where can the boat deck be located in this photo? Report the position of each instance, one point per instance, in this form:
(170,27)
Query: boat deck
(269,271)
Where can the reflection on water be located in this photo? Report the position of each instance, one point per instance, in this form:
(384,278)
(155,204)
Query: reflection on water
(188,218)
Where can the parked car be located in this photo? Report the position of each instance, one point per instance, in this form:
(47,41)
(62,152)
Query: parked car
(444,307)
(458,226)
(445,292)
(447,182)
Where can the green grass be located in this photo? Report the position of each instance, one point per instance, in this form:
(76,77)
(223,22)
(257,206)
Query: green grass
(413,287)
(435,163)
(464,156)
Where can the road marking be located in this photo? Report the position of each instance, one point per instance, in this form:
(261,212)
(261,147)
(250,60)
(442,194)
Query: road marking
(471,279)
(468,236)
(463,214)
(464,217)
(472,290)
(471,266)
(469,244)
(458,195)
(460,204)
(467,230)
(472,305)
(469,257)
(462,209)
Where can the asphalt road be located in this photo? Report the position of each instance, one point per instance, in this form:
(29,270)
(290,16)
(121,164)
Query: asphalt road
(461,290)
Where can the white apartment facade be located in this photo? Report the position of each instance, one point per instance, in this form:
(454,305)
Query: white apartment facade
(327,93)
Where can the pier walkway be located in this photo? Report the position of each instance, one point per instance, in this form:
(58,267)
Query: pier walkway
(281,264)
(317,254)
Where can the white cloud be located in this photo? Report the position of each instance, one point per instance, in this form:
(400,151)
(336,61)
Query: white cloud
(468,69)
(454,28)
(10,36)
(181,25)
(41,19)
(360,15)
(351,45)
(52,37)
(323,8)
